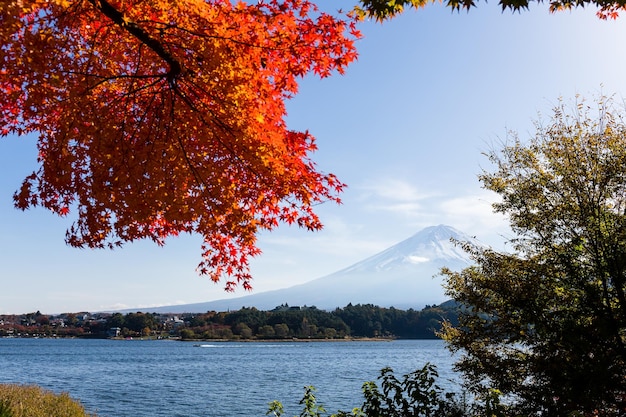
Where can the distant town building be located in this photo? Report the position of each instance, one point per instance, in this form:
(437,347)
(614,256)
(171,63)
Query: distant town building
(114,332)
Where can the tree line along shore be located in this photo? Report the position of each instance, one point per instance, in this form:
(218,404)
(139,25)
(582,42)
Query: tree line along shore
(248,323)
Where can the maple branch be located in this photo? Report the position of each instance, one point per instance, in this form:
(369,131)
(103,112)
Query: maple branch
(175,69)
(118,18)
(232,39)
(105,78)
(194,171)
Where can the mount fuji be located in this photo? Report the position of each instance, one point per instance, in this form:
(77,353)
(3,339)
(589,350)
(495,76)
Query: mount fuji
(403,276)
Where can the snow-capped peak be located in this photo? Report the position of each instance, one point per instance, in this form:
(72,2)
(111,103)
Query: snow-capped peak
(433,244)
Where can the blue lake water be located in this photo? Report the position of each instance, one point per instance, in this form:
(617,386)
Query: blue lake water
(134,378)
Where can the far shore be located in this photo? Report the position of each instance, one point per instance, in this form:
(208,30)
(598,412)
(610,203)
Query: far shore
(347,339)
(295,339)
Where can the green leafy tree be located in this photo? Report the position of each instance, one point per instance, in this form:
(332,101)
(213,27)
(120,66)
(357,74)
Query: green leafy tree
(137,322)
(224,333)
(266,331)
(243,330)
(546,324)
(281,330)
(116,320)
(187,334)
(251,316)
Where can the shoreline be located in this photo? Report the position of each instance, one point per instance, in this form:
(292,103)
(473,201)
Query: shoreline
(297,340)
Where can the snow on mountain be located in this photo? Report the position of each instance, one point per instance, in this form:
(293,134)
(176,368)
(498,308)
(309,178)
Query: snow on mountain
(432,244)
(403,276)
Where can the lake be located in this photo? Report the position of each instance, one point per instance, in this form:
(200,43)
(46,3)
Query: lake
(136,378)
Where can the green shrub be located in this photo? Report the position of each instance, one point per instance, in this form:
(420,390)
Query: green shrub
(413,395)
(34,401)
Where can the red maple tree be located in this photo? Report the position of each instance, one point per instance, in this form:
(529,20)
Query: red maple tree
(157,117)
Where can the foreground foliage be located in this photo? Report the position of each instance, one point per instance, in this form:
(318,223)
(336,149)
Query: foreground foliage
(415,394)
(33,401)
(161,117)
(546,324)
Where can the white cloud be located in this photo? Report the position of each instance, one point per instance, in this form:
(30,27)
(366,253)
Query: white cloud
(414,208)
(395,196)
(473,214)
(395,189)
(114,307)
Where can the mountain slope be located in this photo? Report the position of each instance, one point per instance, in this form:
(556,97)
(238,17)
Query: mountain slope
(403,276)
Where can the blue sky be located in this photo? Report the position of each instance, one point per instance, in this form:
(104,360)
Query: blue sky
(405,128)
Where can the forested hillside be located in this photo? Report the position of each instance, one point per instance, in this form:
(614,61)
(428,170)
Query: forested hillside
(285,322)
